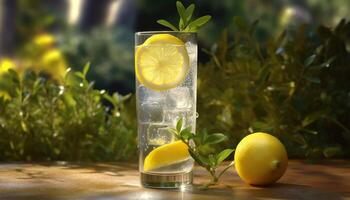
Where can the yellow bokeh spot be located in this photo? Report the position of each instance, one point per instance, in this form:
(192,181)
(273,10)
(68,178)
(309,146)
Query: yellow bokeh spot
(52,56)
(287,16)
(53,62)
(6,64)
(44,40)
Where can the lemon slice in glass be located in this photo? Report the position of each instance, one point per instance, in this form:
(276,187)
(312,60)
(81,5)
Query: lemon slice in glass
(161,62)
(165,155)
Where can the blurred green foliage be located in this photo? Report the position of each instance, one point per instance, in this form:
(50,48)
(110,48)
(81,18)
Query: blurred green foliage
(108,50)
(112,62)
(330,12)
(275,15)
(295,86)
(46,120)
(34,17)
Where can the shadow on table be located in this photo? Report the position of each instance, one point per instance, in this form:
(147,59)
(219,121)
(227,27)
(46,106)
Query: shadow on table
(84,168)
(28,175)
(112,169)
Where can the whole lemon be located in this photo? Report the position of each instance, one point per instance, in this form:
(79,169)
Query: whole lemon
(260,159)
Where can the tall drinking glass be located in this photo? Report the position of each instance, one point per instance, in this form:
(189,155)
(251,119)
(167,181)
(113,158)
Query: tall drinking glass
(166,79)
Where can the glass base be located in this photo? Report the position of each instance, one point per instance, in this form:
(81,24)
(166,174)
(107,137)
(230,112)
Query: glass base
(166,181)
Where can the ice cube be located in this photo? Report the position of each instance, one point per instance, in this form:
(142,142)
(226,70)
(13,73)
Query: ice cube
(158,134)
(173,116)
(150,104)
(147,95)
(150,112)
(178,98)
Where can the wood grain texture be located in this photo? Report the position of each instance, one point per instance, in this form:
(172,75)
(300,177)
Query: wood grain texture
(327,180)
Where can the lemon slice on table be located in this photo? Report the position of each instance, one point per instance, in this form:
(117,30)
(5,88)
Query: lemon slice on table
(161,62)
(165,155)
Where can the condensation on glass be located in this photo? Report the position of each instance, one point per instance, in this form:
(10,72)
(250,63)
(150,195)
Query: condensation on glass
(158,110)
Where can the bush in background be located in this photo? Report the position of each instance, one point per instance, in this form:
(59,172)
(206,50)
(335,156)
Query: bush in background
(296,87)
(42,119)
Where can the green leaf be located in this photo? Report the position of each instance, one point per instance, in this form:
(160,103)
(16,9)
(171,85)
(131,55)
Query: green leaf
(181,10)
(313,79)
(181,25)
(328,62)
(319,67)
(79,74)
(126,97)
(109,98)
(185,17)
(264,75)
(36,85)
(309,60)
(309,131)
(204,159)
(194,25)
(280,39)
(309,119)
(223,155)
(331,152)
(189,12)
(86,69)
(186,136)
(186,133)
(187,129)
(24,126)
(179,125)
(69,100)
(205,149)
(201,136)
(173,131)
(167,24)
(197,140)
(215,138)
(116,97)
(262,126)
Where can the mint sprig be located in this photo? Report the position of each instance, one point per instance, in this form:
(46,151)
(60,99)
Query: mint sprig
(186,24)
(203,151)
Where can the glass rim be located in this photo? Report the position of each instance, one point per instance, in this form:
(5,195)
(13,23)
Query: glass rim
(158,32)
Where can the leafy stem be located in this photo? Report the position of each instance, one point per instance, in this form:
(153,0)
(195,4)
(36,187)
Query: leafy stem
(201,147)
(186,24)
(226,168)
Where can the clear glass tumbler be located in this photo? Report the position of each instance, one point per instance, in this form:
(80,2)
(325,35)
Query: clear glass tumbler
(166,79)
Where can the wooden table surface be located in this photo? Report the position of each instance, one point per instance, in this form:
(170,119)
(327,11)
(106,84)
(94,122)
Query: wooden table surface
(326,180)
